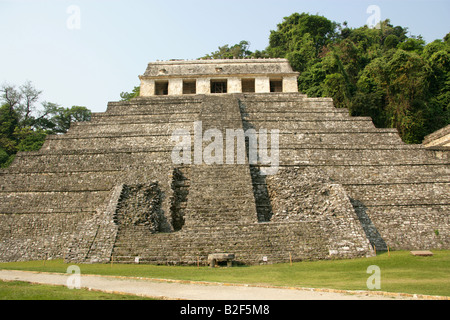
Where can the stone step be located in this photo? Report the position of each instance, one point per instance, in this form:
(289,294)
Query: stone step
(351,155)
(390,173)
(265,110)
(82,161)
(144,129)
(164,249)
(316,155)
(368,174)
(166,144)
(339,125)
(349,138)
(149,117)
(59,181)
(48,202)
(108,143)
(155,105)
(286,103)
(133,126)
(401,194)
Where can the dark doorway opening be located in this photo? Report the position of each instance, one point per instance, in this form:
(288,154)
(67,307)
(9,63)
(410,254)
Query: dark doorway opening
(219,86)
(161,88)
(276,85)
(248,85)
(189,87)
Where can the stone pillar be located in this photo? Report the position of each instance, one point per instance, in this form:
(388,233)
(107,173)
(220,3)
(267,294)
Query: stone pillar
(147,88)
(262,85)
(234,85)
(290,84)
(203,86)
(175,87)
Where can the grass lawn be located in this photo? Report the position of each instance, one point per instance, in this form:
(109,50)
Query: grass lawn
(400,272)
(17,290)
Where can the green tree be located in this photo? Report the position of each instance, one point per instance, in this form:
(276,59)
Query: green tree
(369,104)
(401,81)
(24,126)
(62,118)
(4,157)
(237,51)
(437,54)
(30,140)
(292,30)
(9,121)
(413,44)
(303,54)
(311,80)
(391,42)
(127,96)
(336,86)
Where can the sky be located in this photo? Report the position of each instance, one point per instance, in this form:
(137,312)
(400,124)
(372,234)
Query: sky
(87,52)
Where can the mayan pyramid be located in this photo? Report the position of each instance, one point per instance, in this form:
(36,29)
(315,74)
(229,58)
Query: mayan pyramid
(111,189)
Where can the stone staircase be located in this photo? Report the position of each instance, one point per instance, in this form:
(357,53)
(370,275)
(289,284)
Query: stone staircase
(220,197)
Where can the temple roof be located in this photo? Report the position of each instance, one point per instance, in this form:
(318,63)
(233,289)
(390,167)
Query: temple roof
(226,67)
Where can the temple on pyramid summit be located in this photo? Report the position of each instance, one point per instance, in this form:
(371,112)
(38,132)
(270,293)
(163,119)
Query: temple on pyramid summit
(223,157)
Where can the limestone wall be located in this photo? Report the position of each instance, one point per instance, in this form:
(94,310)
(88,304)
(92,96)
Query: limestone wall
(38,236)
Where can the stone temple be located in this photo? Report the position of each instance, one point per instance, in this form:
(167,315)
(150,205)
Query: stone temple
(114,188)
